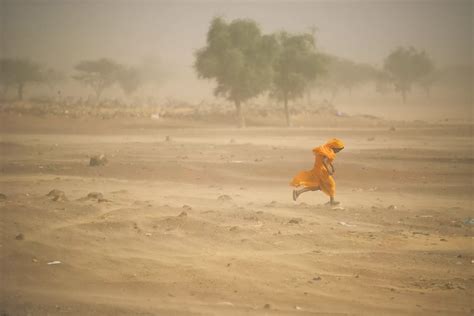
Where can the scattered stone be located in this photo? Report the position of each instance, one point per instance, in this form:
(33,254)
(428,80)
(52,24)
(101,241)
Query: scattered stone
(99,160)
(295,220)
(267,306)
(148,234)
(57,195)
(233,228)
(183,214)
(317,278)
(95,196)
(442,239)
(187,207)
(54,262)
(34,260)
(224,197)
(392,207)
(420,233)
(469,221)
(2,197)
(20,236)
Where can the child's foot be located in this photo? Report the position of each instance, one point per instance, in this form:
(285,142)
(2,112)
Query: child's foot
(295,195)
(334,203)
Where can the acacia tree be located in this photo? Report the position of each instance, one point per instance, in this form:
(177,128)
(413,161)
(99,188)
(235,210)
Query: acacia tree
(406,66)
(296,66)
(239,58)
(98,74)
(19,73)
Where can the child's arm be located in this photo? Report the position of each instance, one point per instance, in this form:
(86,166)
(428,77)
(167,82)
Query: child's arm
(325,162)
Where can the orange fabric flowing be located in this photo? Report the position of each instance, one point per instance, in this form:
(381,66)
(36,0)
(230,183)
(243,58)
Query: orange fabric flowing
(319,176)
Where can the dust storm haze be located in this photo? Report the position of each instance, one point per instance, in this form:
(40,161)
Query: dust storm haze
(60,34)
(179,157)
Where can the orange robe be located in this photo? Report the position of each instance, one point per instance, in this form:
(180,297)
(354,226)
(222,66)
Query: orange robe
(319,176)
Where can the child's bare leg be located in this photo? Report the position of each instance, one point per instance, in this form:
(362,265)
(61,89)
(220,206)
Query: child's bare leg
(297,193)
(332,201)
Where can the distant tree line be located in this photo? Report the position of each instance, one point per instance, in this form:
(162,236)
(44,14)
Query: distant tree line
(98,75)
(244,63)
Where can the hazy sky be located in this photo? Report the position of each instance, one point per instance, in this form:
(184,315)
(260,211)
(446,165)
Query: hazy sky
(63,32)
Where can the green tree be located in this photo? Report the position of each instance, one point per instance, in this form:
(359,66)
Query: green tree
(239,58)
(98,74)
(129,80)
(19,73)
(407,66)
(345,74)
(296,66)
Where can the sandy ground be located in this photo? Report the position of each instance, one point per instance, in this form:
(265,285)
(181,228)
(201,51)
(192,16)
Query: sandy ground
(204,224)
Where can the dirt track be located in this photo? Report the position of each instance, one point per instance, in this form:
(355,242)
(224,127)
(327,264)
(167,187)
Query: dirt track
(204,224)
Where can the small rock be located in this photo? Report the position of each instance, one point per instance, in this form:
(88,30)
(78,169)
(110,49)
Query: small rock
(34,260)
(442,239)
(2,197)
(267,306)
(183,214)
(233,228)
(392,129)
(95,196)
(168,138)
(295,220)
(392,207)
(57,195)
(224,197)
(187,207)
(20,236)
(318,278)
(99,160)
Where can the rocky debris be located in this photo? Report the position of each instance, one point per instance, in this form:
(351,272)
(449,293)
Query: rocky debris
(233,228)
(267,306)
(57,195)
(317,278)
(95,196)
(20,236)
(392,207)
(2,197)
(271,204)
(295,220)
(183,214)
(187,207)
(99,160)
(224,197)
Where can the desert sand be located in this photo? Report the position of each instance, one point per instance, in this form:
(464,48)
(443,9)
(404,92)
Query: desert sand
(200,221)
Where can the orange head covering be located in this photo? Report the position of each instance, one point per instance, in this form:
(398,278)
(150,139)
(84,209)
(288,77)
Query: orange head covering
(327,149)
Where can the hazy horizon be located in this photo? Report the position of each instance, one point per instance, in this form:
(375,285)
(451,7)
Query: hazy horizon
(62,33)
